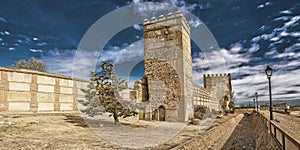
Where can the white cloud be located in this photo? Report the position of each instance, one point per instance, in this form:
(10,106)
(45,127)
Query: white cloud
(292,22)
(3,20)
(157,9)
(287,12)
(35,50)
(129,53)
(59,61)
(292,48)
(195,23)
(254,47)
(138,27)
(264,5)
(248,79)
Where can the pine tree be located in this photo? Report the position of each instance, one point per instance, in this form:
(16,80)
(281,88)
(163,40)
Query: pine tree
(102,95)
(92,103)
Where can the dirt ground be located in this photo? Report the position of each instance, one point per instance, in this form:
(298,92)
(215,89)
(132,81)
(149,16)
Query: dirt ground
(71,131)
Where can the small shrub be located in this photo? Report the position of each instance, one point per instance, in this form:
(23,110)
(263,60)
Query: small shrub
(196,121)
(227,111)
(198,115)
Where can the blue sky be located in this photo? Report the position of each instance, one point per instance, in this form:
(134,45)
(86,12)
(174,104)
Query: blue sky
(251,34)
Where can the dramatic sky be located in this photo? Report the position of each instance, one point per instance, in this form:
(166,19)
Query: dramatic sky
(251,34)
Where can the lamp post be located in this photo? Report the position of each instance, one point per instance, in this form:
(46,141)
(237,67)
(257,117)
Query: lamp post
(253,103)
(269,74)
(256,95)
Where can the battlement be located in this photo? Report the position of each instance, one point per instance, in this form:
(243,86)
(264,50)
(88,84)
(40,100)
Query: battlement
(217,75)
(168,17)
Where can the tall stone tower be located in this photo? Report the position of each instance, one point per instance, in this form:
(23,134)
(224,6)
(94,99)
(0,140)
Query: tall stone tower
(168,67)
(218,86)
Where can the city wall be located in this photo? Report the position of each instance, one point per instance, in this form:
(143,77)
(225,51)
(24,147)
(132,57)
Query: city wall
(33,91)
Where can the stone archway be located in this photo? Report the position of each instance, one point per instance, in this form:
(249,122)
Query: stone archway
(162,113)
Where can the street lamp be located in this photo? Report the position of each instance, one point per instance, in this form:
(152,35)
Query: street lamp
(269,74)
(256,95)
(254,103)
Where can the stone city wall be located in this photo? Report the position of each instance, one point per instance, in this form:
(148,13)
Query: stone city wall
(33,91)
(201,96)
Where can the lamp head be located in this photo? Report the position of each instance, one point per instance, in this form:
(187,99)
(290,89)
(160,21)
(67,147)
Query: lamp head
(268,71)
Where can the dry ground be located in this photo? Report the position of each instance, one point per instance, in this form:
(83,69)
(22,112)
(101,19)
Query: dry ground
(71,131)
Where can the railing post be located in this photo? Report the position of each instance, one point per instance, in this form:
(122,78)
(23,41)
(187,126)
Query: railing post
(283,142)
(275,132)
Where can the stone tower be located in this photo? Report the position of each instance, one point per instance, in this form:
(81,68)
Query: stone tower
(218,86)
(168,67)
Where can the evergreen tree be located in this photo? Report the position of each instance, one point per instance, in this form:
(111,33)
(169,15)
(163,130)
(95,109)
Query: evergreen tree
(92,103)
(102,95)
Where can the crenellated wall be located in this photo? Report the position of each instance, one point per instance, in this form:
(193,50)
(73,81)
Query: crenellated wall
(33,91)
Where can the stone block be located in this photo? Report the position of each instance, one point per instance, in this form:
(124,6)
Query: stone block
(14,96)
(3,106)
(45,97)
(45,80)
(2,98)
(19,77)
(18,106)
(46,88)
(46,107)
(66,82)
(13,86)
(66,90)
(66,106)
(66,98)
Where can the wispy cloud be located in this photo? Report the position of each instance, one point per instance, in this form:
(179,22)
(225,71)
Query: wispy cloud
(3,20)
(59,61)
(248,79)
(119,55)
(138,27)
(182,4)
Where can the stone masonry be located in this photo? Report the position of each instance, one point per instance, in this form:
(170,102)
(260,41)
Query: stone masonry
(219,85)
(33,91)
(167,85)
(168,67)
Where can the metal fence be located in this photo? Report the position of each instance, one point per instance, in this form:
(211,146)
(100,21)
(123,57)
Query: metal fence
(283,139)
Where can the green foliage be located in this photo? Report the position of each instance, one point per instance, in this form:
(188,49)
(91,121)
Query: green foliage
(224,105)
(225,98)
(198,115)
(92,103)
(102,95)
(231,105)
(31,64)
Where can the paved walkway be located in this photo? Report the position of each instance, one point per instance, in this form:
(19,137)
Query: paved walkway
(242,137)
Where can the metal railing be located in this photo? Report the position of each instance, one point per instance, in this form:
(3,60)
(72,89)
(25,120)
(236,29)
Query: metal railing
(283,139)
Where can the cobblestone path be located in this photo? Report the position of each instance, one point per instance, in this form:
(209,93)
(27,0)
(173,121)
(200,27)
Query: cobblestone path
(242,136)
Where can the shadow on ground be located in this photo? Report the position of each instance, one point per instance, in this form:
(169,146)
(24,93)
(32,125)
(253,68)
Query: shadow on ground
(77,120)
